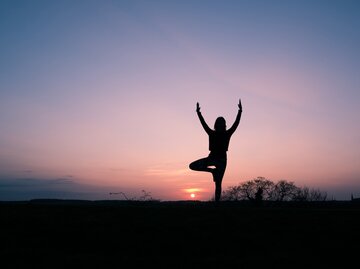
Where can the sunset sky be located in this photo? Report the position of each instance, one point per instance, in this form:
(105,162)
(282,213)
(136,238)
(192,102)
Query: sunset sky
(100,96)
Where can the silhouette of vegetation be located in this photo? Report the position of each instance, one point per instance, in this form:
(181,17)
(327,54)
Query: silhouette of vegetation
(306,194)
(259,196)
(260,189)
(145,197)
(121,193)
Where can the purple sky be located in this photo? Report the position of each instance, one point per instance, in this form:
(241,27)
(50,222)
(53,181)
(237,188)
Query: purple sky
(100,96)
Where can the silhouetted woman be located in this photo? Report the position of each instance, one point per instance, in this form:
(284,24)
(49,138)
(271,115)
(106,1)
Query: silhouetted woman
(219,140)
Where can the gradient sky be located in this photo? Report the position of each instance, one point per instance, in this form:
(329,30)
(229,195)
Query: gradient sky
(100,96)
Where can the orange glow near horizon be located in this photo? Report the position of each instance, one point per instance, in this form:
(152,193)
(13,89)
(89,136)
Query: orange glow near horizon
(198,193)
(193,190)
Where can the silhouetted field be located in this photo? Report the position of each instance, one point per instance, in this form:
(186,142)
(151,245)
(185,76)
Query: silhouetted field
(184,234)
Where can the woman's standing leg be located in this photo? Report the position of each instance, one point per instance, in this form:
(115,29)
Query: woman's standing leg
(218,174)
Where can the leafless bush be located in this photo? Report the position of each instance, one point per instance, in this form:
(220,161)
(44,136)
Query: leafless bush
(312,195)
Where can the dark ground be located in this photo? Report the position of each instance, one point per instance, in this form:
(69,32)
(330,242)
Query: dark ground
(85,234)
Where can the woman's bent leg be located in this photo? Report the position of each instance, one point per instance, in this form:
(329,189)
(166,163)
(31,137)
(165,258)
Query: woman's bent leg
(201,165)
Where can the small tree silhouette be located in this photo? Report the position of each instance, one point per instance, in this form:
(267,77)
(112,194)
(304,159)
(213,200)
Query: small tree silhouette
(284,191)
(259,196)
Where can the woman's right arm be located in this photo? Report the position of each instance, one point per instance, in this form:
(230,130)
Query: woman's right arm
(202,120)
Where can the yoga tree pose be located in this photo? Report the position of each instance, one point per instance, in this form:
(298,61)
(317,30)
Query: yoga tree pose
(219,139)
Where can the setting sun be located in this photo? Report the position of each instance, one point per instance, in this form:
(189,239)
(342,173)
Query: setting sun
(195,193)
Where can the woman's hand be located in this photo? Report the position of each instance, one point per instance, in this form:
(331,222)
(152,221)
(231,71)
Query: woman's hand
(239,105)
(197,107)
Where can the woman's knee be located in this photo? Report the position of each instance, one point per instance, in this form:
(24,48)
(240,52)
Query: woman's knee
(193,166)
(198,165)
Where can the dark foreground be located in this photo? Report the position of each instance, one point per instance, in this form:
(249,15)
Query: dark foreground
(64,234)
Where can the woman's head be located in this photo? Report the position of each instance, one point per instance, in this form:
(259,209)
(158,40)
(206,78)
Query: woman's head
(220,124)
